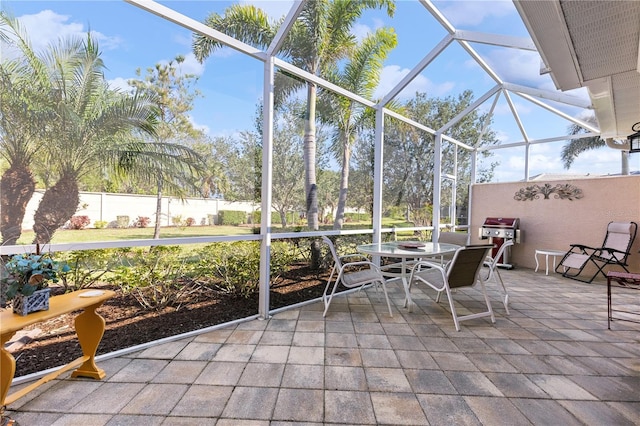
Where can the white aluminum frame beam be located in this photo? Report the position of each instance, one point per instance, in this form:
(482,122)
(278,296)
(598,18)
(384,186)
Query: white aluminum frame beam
(521,43)
(198,27)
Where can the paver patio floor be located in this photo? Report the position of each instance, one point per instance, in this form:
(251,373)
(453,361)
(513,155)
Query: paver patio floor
(551,361)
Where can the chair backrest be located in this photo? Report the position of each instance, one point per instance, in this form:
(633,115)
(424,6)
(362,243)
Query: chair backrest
(465,266)
(620,236)
(457,238)
(332,248)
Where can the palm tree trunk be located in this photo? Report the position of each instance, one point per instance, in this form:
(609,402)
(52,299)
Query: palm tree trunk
(310,158)
(310,172)
(344,185)
(16,189)
(58,205)
(156,229)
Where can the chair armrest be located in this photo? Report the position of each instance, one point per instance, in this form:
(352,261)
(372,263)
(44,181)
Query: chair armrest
(422,263)
(582,247)
(354,256)
(361,263)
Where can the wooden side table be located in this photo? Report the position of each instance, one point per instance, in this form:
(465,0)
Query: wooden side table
(627,280)
(89,328)
(546,254)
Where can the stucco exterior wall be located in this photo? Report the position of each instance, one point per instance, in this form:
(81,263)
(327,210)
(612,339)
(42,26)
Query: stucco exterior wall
(555,223)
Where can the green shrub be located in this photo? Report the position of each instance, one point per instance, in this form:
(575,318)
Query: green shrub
(231,217)
(156,277)
(122,221)
(235,267)
(100,224)
(87,267)
(256,217)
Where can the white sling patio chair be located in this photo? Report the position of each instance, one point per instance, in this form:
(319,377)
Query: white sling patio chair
(351,275)
(615,250)
(462,271)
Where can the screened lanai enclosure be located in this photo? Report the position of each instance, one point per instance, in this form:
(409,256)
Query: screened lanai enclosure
(354,119)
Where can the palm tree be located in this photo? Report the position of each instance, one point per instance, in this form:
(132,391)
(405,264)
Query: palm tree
(319,38)
(92,124)
(575,147)
(23,110)
(361,76)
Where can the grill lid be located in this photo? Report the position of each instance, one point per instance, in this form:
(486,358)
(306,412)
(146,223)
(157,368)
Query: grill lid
(501,222)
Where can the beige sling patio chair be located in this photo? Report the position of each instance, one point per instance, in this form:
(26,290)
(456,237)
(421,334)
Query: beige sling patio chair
(462,271)
(615,250)
(457,238)
(351,275)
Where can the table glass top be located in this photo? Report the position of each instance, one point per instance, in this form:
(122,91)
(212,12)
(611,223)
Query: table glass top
(407,248)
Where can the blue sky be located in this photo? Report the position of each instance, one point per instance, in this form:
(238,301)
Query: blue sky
(231,83)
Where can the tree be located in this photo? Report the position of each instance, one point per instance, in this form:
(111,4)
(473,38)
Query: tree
(23,111)
(173,95)
(287,168)
(361,76)
(92,125)
(409,160)
(575,147)
(319,38)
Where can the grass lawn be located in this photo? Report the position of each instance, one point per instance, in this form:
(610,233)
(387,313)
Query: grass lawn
(114,234)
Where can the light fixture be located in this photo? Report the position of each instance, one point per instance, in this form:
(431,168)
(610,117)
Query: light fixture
(634,139)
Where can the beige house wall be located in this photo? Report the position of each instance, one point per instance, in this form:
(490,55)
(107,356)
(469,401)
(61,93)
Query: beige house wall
(555,223)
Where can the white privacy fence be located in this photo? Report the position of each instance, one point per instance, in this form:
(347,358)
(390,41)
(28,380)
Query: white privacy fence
(100,206)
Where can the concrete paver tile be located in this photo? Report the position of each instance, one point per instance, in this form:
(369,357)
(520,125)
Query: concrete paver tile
(251,403)
(158,399)
(397,408)
(203,401)
(447,410)
(348,407)
(221,373)
(300,405)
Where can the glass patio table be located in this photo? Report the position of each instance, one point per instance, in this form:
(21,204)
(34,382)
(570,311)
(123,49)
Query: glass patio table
(407,251)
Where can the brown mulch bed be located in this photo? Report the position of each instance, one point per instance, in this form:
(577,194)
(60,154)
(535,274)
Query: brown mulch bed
(127,324)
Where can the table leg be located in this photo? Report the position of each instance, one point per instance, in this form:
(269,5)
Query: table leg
(405,284)
(546,264)
(7,368)
(537,264)
(609,303)
(90,329)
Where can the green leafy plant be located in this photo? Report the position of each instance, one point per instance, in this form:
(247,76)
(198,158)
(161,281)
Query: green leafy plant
(100,224)
(27,273)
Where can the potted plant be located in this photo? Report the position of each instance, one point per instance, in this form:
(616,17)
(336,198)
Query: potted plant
(26,278)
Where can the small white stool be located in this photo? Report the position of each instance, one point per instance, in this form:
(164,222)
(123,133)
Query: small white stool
(547,253)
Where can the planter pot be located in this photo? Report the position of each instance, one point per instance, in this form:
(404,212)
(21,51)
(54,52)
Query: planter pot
(38,301)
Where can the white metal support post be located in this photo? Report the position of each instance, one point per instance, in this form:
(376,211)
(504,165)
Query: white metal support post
(267,179)
(377,175)
(437,185)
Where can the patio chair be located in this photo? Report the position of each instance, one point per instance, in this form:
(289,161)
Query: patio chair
(457,238)
(351,275)
(462,271)
(493,272)
(615,250)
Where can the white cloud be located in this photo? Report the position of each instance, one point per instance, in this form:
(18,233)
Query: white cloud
(392,74)
(120,84)
(360,31)
(47,27)
(203,127)
(191,65)
(472,13)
